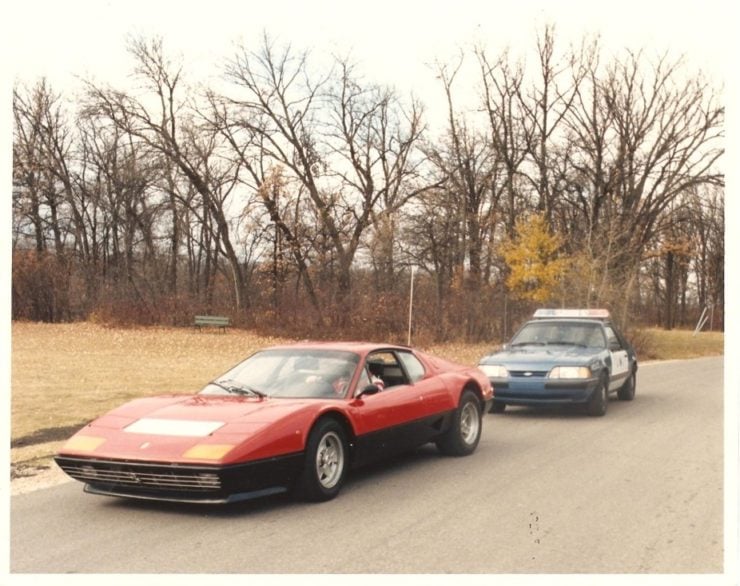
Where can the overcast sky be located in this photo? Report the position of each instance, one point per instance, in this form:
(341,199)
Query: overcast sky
(391,39)
(393,42)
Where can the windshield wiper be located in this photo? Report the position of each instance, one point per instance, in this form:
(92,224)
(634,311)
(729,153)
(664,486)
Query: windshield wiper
(528,344)
(238,388)
(563,343)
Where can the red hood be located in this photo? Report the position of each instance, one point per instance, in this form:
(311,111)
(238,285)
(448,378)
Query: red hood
(164,428)
(227,409)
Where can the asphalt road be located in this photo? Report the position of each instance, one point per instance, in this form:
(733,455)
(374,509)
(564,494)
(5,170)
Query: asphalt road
(638,491)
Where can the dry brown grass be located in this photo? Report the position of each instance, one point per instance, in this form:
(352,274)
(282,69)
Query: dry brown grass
(64,375)
(677,344)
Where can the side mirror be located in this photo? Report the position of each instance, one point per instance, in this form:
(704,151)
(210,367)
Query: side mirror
(368,390)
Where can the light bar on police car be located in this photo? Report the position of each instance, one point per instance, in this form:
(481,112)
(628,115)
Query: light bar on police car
(592,313)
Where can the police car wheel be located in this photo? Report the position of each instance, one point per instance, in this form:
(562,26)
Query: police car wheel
(627,391)
(599,401)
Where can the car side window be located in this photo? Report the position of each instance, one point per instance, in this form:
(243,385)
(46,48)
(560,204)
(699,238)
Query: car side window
(612,340)
(595,338)
(386,366)
(414,368)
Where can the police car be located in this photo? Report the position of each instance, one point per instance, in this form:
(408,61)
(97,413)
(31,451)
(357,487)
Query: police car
(563,357)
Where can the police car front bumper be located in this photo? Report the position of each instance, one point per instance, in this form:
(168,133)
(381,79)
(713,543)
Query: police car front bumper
(543,391)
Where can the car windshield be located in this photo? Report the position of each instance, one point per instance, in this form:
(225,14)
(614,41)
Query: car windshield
(560,333)
(288,372)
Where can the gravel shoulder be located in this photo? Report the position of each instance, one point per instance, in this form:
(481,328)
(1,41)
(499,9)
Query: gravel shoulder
(41,478)
(32,468)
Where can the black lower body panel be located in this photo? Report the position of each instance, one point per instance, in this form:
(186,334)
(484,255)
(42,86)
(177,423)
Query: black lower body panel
(381,444)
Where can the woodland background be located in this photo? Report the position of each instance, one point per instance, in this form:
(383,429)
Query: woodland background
(297,198)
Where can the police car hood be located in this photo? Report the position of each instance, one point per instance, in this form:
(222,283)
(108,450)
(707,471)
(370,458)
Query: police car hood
(532,355)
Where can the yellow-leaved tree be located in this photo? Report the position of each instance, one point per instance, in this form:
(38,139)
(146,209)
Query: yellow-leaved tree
(536,266)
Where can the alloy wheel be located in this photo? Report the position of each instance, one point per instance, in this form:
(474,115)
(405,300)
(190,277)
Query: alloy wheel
(329,460)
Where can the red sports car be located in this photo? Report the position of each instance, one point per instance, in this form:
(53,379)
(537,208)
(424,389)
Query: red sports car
(292,417)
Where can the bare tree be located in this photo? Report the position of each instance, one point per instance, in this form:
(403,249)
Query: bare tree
(434,230)
(42,184)
(470,166)
(646,136)
(375,143)
(349,148)
(706,209)
(42,143)
(168,126)
(546,104)
(510,129)
(121,177)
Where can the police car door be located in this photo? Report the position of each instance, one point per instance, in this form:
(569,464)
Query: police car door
(620,359)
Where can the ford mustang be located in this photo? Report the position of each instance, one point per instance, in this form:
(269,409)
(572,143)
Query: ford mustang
(294,417)
(562,357)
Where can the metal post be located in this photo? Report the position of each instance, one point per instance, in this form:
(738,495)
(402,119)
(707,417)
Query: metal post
(411,303)
(701,322)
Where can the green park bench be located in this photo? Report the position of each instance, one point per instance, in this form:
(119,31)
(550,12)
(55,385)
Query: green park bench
(211,321)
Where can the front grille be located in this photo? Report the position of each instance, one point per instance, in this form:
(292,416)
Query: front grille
(528,373)
(129,476)
(184,482)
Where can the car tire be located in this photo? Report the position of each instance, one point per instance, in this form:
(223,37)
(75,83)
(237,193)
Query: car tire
(599,401)
(497,407)
(627,391)
(327,459)
(464,434)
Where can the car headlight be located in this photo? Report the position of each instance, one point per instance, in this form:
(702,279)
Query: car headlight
(208,451)
(494,370)
(570,372)
(83,443)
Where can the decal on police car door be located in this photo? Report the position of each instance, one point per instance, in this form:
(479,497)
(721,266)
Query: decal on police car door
(620,360)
